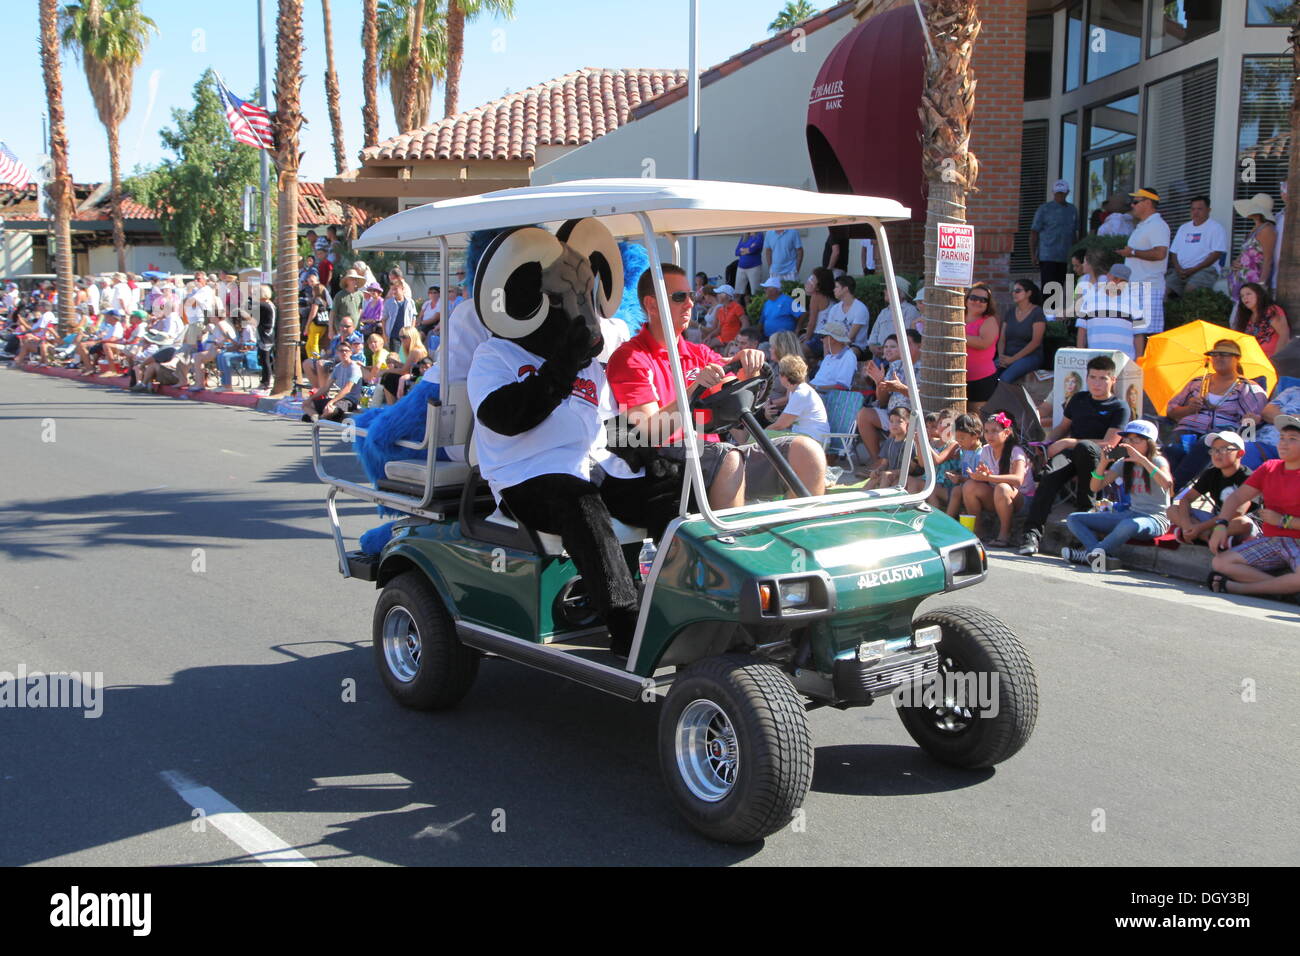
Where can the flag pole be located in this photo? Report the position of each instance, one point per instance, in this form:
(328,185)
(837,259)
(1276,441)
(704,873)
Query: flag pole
(265,158)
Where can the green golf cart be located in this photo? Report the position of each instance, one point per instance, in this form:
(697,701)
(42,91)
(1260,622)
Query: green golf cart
(750,616)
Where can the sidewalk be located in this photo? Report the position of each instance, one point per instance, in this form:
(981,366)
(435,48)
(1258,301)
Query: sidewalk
(175,391)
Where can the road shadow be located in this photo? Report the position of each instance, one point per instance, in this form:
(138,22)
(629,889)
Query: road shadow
(885,770)
(528,770)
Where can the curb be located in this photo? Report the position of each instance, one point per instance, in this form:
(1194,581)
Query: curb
(174,391)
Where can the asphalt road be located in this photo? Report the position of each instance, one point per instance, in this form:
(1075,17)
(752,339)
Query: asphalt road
(181,550)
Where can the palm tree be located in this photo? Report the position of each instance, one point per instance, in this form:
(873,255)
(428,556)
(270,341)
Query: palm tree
(60,185)
(951,169)
(370,72)
(792,14)
(110,37)
(394,41)
(288,120)
(1288,267)
(332,93)
(406,116)
(458,12)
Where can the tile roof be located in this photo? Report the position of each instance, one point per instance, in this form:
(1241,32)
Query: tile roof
(313,208)
(571,110)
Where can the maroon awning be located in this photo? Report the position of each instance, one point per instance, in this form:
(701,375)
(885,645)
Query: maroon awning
(864,129)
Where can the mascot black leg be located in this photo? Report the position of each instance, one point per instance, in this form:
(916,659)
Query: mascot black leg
(573,509)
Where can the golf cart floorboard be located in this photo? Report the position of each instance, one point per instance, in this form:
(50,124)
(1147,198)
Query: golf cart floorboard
(583,661)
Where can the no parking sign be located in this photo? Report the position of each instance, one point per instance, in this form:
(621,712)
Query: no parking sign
(956,263)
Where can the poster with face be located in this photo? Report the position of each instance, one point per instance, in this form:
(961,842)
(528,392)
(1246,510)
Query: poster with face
(1071,376)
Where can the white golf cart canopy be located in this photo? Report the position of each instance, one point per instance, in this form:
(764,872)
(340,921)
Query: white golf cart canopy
(677,207)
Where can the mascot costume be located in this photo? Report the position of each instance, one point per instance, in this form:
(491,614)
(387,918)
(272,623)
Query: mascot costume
(541,402)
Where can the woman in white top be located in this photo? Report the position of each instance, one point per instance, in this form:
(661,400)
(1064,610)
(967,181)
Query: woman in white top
(805,412)
(220,334)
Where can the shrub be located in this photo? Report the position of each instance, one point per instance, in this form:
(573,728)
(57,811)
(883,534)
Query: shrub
(1108,244)
(1203,304)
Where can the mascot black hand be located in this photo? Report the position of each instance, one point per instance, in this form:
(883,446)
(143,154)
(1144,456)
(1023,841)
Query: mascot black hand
(518,407)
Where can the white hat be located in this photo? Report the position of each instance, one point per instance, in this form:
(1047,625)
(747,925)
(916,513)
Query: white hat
(1060,186)
(920,295)
(723,289)
(1140,427)
(836,330)
(771,283)
(1232,438)
(1260,204)
(903,285)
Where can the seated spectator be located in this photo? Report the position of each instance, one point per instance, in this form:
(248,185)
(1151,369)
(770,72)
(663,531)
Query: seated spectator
(164,367)
(346,378)
(891,391)
(117,352)
(782,344)
(43,333)
(410,353)
(1258,315)
(886,325)
(1090,423)
(840,365)
(1264,447)
(750,337)
(818,289)
(318,370)
(778,310)
(1213,486)
(376,359)
(726,321)
(804,413)
(1147,484)
(1223,399)
(430,313)
(221,334)
(1106,314)
(1001,480)
(968,439)
(1020,343)
(372,308)
(852,311)
(882,472)
(938,431)
(1252,567)
(110,329)
(239,351)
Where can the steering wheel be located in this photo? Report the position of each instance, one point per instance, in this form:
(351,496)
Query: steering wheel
(734,398)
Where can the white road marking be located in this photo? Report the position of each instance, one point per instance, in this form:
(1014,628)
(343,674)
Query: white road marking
(1183,593)
(227,451)
(256,840)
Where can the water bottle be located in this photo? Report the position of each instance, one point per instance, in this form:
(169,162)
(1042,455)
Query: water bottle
(646,559)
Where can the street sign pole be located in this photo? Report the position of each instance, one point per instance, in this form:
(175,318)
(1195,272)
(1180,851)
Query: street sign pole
(266,160)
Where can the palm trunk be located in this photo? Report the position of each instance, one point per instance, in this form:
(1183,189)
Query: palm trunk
(60,185)
(332,93)
(1288,266)
(370,72)
(288,120)
(407,118)
(455,54)
(947,105)
(115,176)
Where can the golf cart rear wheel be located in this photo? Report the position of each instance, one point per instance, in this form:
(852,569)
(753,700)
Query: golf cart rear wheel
(421,661)
(980,656)
(735,748)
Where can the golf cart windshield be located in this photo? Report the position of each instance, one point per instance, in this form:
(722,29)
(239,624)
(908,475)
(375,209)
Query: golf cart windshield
(668,210)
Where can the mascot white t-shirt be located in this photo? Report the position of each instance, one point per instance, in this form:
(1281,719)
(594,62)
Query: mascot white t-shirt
(568,442)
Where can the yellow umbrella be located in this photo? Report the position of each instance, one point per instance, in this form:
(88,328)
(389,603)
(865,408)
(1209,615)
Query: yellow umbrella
(1174,358)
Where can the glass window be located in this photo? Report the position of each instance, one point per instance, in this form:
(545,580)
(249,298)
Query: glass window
(1181,21)
(1110,154)
(1073,45)
(1263,127)
(1270,13)
(1069,148)
(1178,149)
(1038,58)
(1114,40)
(1113,123)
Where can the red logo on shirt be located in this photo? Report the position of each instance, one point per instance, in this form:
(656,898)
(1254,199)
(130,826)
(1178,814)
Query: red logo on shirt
(526,370)
(583,388)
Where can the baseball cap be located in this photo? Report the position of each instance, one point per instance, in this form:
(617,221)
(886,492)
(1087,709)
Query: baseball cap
(139,314)
(1146,192)
(724,289)
(836,330)
(1232,438)
(1140,427)
(771,283)
(1286,421)
(1120,271)
(1060,186)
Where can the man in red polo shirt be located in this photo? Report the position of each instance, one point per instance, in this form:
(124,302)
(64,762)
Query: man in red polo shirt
(641,378)
(1251,568)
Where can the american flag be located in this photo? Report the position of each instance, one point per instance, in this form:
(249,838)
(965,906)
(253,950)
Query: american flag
(248,123)
(12,170)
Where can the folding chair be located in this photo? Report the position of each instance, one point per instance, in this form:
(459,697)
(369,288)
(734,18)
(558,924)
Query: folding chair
(842,408)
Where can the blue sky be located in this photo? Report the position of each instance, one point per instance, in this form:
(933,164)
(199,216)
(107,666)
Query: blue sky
(547,38)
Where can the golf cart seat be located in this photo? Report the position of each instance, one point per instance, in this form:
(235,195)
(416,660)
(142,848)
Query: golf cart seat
(550,543)
(408,476)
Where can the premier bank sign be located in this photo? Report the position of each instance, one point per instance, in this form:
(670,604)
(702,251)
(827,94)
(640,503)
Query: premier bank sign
(830,94)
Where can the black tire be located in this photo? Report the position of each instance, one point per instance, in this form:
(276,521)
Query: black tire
(770,735)
(975,641)
(443,669)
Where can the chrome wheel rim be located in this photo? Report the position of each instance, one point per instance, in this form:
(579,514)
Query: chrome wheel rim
(948,718)
(708,754)
(401,640)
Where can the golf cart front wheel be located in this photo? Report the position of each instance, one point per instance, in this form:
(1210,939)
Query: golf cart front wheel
(420,660)
(983,703)
(735,748)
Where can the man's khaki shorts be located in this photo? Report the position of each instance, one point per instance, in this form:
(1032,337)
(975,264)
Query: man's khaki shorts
(762,481)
